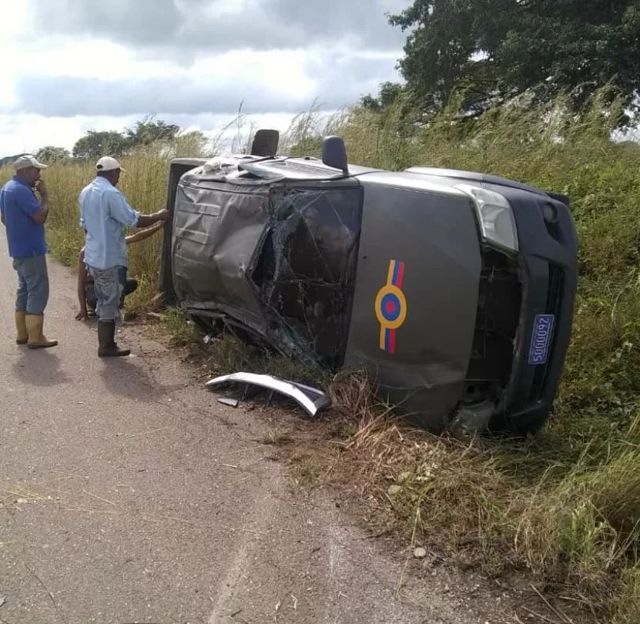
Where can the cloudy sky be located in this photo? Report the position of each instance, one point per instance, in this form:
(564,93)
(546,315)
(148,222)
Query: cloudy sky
(69,66)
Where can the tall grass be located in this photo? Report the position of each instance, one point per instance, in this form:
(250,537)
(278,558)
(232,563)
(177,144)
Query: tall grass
(566,504)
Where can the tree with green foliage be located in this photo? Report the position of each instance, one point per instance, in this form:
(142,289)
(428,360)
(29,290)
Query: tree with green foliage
(51,154)
(95,144)
(193,143)
(493,50)
(150,131)
(145,133)
(388,94)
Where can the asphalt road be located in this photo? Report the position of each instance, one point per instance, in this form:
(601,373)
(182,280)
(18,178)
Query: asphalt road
(129,495)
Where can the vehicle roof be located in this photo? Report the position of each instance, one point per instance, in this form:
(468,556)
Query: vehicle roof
(311,169)
(428,178)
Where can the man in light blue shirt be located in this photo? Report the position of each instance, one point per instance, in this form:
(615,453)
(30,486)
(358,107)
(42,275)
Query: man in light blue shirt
(104,217)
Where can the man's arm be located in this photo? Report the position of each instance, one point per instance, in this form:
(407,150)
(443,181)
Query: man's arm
(142,234)
(122,212)
(146,220)
(82,279)
(40,216)
(27,202)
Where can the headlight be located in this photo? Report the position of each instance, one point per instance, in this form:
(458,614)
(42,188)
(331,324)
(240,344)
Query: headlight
(550,213)
(495,217)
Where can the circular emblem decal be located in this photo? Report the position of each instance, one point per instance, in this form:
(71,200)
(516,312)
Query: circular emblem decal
(391,306)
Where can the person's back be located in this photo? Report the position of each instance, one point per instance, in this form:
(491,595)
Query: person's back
(100,206)
(25,237)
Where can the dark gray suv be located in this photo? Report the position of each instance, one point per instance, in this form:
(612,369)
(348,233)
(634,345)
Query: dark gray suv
(453,289)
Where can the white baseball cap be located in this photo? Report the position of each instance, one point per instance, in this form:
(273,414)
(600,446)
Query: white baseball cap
(28,161)
(108,163)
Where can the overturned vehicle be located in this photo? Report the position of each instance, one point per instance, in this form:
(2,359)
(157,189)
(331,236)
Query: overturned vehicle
(453,289)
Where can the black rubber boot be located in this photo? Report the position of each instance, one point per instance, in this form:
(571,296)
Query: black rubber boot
(106,340)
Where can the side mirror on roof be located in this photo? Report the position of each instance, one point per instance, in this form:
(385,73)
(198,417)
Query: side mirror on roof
(334,153)
(265,143)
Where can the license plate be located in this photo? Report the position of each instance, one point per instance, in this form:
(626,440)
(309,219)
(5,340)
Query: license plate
(543,326)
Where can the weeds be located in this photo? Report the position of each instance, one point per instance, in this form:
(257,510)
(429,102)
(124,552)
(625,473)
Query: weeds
(276,438)
(309,469)
(574,524)
(628,601)
(183,332)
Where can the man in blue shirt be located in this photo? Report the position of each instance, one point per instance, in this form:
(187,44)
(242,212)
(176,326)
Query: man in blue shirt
(24,217)
(104,216)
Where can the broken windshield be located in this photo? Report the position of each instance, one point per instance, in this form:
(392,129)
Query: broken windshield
(306,271)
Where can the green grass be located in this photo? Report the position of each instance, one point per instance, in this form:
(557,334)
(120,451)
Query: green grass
(309,469)
(276,438)
(183,332)
(628,600)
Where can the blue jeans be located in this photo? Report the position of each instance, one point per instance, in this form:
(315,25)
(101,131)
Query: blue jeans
(33,284)
(129,284)
(108,288)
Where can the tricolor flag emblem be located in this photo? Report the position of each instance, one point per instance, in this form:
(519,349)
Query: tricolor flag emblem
(391,306)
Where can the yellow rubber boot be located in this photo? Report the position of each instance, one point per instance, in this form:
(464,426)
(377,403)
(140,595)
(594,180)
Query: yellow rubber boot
(21,328)
(37,339)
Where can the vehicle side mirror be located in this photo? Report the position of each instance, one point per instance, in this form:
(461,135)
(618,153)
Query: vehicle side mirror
(265,143)
(334,154)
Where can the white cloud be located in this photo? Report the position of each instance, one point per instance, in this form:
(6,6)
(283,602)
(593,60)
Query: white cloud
(176,27)
(27,133)
(69,66)
(13,20)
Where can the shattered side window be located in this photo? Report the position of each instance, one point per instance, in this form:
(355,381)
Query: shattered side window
(306,271)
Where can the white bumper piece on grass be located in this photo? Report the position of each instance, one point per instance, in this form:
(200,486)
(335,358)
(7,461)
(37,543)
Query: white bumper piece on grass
(310,399)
